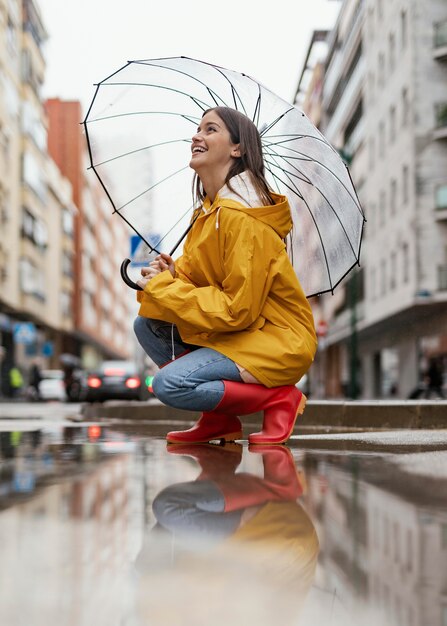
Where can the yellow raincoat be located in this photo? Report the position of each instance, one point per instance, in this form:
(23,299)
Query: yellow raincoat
(235,290)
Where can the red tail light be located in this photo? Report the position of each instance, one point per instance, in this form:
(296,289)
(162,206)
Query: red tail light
(133,382)
(94,381)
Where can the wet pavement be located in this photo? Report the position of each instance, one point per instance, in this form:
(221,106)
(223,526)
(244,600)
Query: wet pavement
(103,524)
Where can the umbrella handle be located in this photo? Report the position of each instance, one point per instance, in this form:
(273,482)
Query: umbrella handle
(124,265)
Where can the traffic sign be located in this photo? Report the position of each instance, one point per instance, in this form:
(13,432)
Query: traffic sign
(140,253)
(25,332)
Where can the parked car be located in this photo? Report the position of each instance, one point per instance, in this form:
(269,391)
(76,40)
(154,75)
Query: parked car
(116,380)
(52,386)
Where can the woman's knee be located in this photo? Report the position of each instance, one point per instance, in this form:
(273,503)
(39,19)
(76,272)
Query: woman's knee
(162,386)
(140,326)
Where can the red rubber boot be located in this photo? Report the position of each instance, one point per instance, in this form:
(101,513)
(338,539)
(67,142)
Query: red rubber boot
(211,426)
(281,406)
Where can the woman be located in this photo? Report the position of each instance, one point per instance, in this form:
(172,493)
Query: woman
(231,306)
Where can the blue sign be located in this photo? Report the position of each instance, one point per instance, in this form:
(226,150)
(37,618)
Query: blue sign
(25,332)
(140,253)
(48,348)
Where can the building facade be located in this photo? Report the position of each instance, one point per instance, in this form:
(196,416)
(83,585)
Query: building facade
(46,308)
(384,108)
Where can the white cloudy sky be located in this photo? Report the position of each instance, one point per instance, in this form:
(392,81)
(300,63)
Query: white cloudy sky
(89,39)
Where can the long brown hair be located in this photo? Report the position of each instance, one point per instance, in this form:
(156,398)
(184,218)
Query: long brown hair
(243,132)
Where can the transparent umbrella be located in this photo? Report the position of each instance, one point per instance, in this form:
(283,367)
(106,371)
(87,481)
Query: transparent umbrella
(139,127)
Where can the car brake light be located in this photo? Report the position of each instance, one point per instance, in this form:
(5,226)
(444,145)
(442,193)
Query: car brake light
(133,382)
(94,381)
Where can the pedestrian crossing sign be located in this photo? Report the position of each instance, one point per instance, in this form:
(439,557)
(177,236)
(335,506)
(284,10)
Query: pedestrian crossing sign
(140,253)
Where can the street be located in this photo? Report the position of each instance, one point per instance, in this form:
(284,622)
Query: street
(106,524)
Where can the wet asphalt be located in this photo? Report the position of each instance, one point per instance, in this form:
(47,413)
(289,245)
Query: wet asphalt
(103,523)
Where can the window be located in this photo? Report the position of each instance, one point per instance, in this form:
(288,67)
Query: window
(382,208)
(405,184)
(444,536)
(392,124)
(441,197)
(403,29)
(383,281)
(382,139)
(405,107)
(393,276)
(381,69)
(371,85)
(67,222)
(67,263)
(405,261)
(391,52)
(393,196)
(65,302)
(371,22)
(372,217)
(373,283)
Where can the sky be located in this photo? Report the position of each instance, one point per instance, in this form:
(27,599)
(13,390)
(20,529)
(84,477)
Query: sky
(90,39)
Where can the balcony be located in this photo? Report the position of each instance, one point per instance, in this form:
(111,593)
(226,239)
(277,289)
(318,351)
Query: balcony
(440,41)
(442,277)
(440,131)
(441,202)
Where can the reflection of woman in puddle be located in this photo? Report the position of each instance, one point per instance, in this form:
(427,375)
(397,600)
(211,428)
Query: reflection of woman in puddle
(256,538)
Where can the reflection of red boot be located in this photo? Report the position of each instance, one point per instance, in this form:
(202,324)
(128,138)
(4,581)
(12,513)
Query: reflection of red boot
(280,470)
(211,425)
(281,406)
(214,460)
(280,482)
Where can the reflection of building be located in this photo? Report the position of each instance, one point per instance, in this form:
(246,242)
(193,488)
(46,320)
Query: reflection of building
(68,546)
(384,540)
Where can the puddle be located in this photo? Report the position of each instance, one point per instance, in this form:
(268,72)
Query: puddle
(109,527)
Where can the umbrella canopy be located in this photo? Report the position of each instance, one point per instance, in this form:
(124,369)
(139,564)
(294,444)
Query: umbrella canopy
(139,128)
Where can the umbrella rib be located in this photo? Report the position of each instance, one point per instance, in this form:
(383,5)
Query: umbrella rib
(267,128)
(296,137)
(314,221)
(307,158)
(213,94)
(327,201)
(111,117)
(179,91)
(154,145)
(150,188)
(302,176)
(257,111)
(174,225)
(267,167)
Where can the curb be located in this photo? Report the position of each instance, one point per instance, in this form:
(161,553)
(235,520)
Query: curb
(412,414)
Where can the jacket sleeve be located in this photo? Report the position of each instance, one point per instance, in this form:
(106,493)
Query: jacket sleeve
(234,306)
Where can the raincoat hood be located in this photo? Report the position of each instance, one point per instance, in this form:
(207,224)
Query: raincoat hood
(243,197)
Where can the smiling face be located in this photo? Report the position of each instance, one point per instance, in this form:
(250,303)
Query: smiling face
(212,149)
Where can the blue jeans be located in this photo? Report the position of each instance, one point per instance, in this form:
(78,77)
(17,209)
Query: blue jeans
(191,381)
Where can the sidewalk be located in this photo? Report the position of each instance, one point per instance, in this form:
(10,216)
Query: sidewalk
(335,414)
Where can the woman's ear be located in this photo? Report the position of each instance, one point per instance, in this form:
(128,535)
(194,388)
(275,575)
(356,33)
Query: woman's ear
(236,151)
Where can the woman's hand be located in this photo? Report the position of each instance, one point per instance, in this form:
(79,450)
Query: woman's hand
(161,263)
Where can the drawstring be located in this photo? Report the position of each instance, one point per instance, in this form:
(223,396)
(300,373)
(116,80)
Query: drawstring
(217,218)
(172,343)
